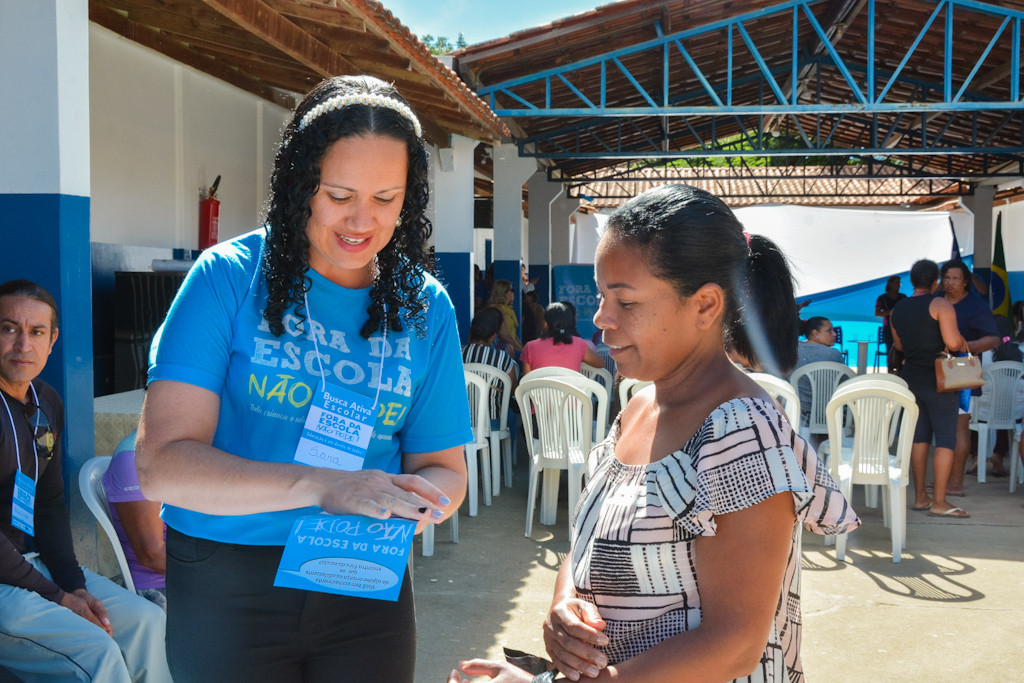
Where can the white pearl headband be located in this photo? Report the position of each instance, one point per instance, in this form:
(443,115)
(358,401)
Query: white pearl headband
(368,100)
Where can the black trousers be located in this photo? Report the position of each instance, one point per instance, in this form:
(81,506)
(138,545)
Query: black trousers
(226,621)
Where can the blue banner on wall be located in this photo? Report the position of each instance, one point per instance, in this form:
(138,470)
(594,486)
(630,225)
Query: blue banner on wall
(575,284)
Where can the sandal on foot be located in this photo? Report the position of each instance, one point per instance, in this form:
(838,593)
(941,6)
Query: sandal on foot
(954,512)
(923,508)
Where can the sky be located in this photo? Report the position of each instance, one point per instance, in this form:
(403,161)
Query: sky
(482,20)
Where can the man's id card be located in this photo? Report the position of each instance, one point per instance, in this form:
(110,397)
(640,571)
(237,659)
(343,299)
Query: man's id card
(337,430)
(23,504)
(347,555)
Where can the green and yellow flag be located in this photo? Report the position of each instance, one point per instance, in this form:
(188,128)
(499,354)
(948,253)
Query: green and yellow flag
(999,283)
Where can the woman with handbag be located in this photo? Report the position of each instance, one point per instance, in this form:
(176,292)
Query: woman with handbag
(977,325)
(922,327)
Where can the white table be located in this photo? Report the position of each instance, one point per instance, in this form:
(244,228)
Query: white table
(116,416)
(862,356)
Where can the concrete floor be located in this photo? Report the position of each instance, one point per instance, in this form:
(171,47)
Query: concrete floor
(952,610)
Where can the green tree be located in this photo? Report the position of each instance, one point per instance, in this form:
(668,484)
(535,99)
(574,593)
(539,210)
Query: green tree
(441,45)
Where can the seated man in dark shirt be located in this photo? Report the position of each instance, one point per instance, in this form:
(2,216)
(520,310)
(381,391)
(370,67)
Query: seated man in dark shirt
(57,620)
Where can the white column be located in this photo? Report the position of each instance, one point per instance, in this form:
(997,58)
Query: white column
(544,195)
(451,202)
(980,204)
(44,201)
(510,173)
(561,211)
(44,46)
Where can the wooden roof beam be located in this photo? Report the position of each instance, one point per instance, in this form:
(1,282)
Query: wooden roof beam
(330,16)
(267,24)
(151,39)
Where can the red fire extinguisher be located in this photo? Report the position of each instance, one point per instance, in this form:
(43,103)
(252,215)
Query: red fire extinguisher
(209,217)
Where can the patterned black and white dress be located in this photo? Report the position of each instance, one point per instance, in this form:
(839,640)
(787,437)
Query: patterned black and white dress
(635,527)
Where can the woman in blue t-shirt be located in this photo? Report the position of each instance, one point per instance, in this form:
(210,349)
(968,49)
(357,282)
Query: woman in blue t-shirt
(976,324)
(330,304)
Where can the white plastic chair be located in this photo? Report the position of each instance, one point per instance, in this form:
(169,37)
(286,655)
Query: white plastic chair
(478,391)
(560,440)
(1001,386)
(879,380)
(783,393)
(879,377)
(580,381)
(1016,469)
(824,377)
(599,375)
(628,387)
(427,536)
(501,438)
(866,457)
(90,482)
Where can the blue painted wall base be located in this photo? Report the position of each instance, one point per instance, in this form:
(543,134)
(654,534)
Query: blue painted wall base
(455,271)
(46,240)
(543,276)
(510,270)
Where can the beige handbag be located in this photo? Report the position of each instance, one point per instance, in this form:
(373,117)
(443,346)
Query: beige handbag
(955,373)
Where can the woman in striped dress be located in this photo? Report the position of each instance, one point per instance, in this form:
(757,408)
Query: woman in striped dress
(685,558)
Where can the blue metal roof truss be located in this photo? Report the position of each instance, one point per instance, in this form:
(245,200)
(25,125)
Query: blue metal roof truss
(690,118)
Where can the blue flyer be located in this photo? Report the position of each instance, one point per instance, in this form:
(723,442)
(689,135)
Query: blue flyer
(347,555)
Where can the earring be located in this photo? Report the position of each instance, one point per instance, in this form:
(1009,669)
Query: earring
(398,223)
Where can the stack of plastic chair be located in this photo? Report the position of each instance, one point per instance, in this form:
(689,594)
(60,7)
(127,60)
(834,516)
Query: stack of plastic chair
(479,392)
(1001,390)
(824,377)
(783,393)
(501,437)
(866,457)
(557,419)
(90,482)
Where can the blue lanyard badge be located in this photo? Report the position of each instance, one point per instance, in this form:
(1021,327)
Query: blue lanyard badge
(337,430)
(24,502)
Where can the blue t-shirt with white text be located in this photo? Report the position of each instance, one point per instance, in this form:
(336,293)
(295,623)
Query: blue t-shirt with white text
(215,337)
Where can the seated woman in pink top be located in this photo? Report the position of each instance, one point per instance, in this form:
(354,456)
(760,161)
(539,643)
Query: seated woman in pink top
(557,347)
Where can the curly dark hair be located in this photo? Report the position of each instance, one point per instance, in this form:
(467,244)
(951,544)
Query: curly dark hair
(296,179)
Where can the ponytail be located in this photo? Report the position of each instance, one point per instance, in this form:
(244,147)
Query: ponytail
(689,237)
(561,322)
(764,328)
(812,324)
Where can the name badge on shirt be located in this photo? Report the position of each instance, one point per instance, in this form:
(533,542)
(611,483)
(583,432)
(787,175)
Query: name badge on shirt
(23,504)
(337,430)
